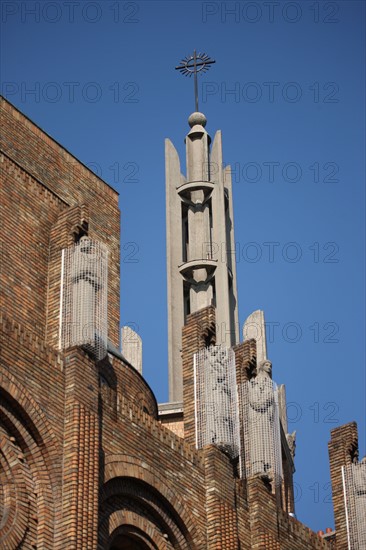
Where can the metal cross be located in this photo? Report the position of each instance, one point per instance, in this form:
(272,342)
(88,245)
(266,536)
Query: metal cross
(195,64)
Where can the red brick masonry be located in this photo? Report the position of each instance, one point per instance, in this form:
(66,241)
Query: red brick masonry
(85,461)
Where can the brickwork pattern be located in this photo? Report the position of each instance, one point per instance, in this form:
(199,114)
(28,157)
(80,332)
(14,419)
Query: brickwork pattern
(222,529)
(18,507)
(343,450)
(80,453)
(245,360)
(25,245)
(130,385)
(30,458)
(272,528)
(175,426)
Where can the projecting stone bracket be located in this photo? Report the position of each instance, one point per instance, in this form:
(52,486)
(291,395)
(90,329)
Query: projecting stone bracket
(188,269)
(186,189)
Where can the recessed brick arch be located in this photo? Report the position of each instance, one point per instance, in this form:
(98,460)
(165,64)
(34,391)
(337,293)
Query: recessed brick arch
(26,432)
(133,495)
(131,523)
(15,491)
(119,470)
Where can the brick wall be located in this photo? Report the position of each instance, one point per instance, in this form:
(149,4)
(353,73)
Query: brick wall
(176,426)
(141,459)
(130,384)
(40,180)
(80,475)
(272,528)
(31,432)
(29,210)
(222,525)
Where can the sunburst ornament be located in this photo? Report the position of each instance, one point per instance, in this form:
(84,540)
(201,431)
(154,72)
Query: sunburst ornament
(194,64)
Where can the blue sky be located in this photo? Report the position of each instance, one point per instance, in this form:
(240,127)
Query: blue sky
(287,91)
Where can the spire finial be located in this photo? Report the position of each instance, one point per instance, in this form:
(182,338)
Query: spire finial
(194,64)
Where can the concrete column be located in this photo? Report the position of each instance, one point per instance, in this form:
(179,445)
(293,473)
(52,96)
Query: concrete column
(206,194)
(174,239)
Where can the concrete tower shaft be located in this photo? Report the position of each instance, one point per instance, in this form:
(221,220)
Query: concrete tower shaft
(201,269)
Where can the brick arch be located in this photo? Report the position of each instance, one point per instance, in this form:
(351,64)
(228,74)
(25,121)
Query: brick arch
(121,522)
(145,404)
(14,486)
(133,468)
(25,424)
(133,495)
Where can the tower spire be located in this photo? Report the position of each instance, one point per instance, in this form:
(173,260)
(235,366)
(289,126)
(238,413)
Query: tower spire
(201,268)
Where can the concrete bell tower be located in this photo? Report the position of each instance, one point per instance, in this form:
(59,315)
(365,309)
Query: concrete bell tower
(201,269)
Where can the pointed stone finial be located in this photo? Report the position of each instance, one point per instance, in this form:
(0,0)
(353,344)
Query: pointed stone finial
(254,327)
(132,347)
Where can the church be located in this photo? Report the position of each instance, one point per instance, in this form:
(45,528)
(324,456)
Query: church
(88,458)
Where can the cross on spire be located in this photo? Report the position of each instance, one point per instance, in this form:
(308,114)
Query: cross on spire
(194,64)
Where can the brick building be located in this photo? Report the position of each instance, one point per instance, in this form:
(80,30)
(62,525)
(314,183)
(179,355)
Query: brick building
(88,458)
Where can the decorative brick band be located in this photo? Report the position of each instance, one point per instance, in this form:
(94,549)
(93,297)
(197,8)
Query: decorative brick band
(33,185)
(24,337)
